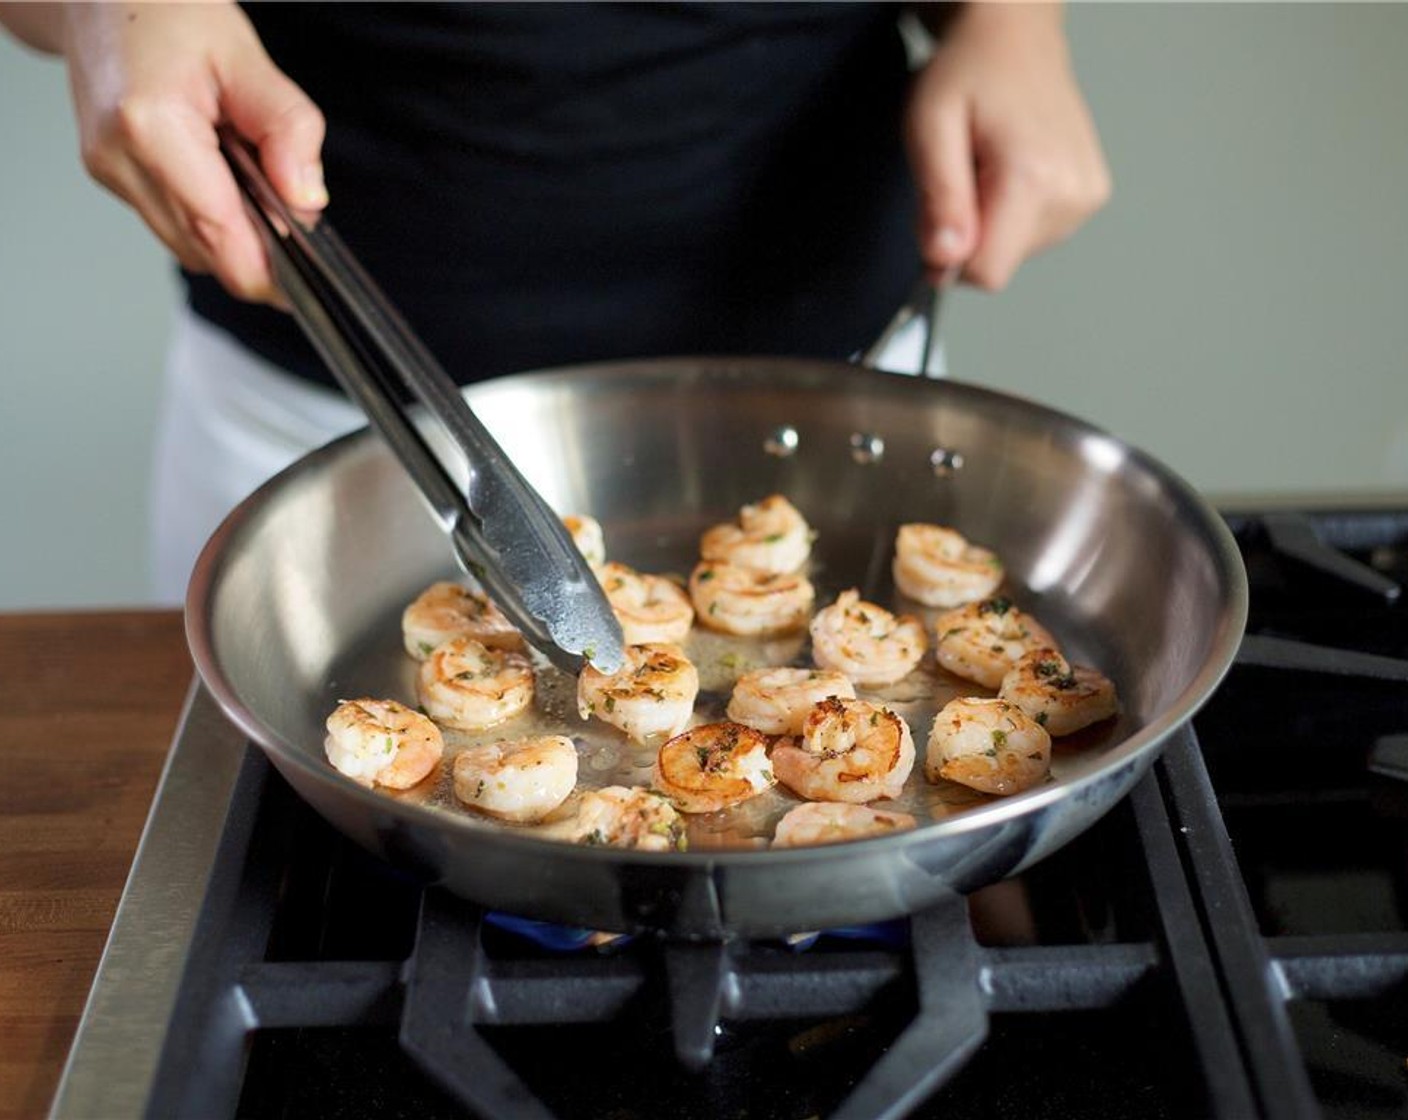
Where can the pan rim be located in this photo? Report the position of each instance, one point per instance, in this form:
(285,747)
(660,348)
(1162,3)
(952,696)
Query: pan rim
(1223,645)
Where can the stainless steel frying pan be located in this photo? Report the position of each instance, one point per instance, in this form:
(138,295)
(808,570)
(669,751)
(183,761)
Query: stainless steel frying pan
(296,600)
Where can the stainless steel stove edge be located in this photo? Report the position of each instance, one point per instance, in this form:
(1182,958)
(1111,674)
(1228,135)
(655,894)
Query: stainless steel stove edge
(112,1063)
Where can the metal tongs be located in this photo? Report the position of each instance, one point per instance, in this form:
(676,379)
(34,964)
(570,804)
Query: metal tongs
(910,342)
(502,531)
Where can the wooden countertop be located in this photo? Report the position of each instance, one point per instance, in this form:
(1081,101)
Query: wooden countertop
(90,703)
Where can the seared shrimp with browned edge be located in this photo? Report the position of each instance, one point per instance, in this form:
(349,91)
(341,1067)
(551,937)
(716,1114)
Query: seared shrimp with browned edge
(988,745)
(849,750)
(748,602)
(651,695)
(520,780)
(1060,696)
(448,610)
(776,701)
(586,534)
(982,641)
(468,686)
(649,608)
(769,536)
(831,822)
(382,742)
(623,817)
(713,766)
(937,566)
(866,642)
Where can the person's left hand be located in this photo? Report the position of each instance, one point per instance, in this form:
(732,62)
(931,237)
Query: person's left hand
(1005,155)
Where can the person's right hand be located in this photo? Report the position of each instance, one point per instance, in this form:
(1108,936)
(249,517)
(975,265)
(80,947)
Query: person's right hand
(150,84)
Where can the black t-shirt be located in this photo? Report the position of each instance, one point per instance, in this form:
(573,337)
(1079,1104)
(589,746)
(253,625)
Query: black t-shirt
(541,184)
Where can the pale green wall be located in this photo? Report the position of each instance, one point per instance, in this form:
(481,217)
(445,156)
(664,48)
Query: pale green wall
(85,295)
(1240,309)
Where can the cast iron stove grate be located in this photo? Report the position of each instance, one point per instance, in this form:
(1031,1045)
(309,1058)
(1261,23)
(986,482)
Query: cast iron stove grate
(314,960)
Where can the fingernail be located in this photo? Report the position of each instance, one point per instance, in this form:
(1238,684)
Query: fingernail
(950,240)
(311,190)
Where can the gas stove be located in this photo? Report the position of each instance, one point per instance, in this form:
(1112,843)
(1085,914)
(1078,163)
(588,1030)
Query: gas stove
(1230,941)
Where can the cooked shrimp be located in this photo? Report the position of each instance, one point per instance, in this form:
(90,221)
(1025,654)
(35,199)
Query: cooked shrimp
(776,701)
(989,745)
(587,536)
(936,566)
(651,695)
(770,536)
(865,642)
(650,608)
(830,822)
(713,766)
(450,610)
(849,750)
(624,818)
(381,742)
(744,601)
(981,641)
(517,780)
(1061,697)
(465,685)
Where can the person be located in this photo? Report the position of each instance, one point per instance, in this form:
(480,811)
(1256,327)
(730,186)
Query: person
(543,184)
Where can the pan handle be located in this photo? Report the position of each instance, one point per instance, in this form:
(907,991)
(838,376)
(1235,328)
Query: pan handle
(910,343)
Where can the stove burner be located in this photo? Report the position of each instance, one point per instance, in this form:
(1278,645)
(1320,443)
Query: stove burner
(570,939)
(554,937)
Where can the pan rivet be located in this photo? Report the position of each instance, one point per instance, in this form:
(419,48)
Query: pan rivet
(783,442)
(945,462)
(867,447)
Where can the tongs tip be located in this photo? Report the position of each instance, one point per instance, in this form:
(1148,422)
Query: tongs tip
(607,660)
